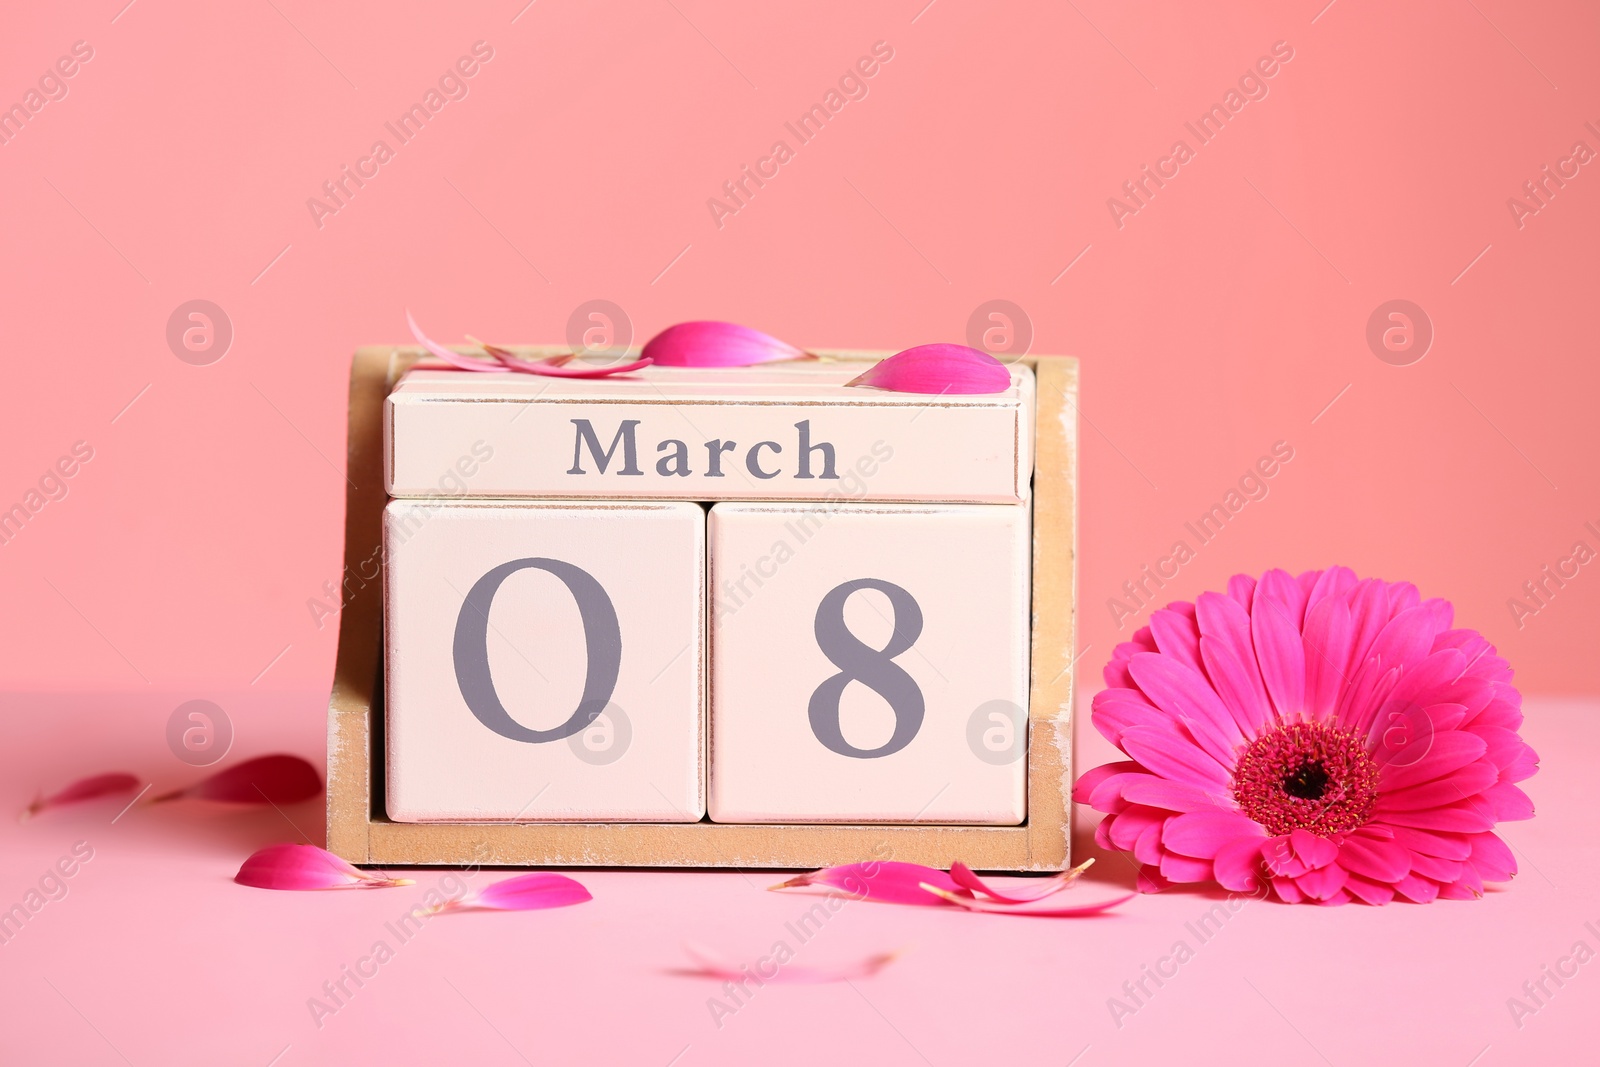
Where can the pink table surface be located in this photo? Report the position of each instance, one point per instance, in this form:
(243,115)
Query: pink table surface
(155,957)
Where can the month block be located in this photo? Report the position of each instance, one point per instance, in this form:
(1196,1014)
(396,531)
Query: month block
(795,432)
(545,661)
(869,662)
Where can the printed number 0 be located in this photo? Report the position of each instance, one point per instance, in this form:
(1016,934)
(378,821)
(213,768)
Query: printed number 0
(874,668)
(600,630)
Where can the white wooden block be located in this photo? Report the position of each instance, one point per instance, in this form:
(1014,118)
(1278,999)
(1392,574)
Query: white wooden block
(545,661)
(795,432)
(869,663)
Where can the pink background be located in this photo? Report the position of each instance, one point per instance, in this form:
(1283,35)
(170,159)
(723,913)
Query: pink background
(1228,313)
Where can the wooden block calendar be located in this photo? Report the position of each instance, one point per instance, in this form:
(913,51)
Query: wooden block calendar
(737,617)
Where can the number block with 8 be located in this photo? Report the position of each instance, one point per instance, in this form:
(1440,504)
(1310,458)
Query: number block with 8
(869,662)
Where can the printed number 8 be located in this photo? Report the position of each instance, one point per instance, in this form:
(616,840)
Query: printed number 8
(874,668)
(600,630)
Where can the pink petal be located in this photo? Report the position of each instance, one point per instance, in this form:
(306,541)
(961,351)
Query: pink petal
(1425,681)
(1280,651)
(455,359)
(1173,756)
(1324,882)
(1147,848)
(1468,887)
(1148,879)
(1448,753)
(1288,891)
(1449,846)
(1184,694)
(306,867)
(1038,889)
(1471,644)
(1108,795)
(1381,861)
(1504,746)
(1433,867)
(1329,632)
(1427,684)
(1203,834)
(1508,802)
(1237,864)
(1089,780)
(1279,855)
(938,368)
(1369,892)
(524,892)
(1499,712)
(972,904)
(505,361)
(99,785)
(1418,889)
(1283,587)
(1469,781)
(1370,685)
(1179,868)
(1525,765)
(717,344)
(1403,596)
(1369,614)
(1115,710)
(1493,858)
(708,964)
(889,882)
(1307,581)
(1177,636)
(1464,818)
(275,779)
(1334,582)
(1241,692)
(1408,637)
(1154,792)
(557,368)
(1312,850)
(1116,672)
(1446,716)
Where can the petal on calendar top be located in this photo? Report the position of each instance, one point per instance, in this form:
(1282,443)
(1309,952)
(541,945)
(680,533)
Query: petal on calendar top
(455,359)
(556,366)
(717,344)
(939,369)
(505,362)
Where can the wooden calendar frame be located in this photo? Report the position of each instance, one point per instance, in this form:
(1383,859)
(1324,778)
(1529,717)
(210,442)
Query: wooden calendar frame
(360,831)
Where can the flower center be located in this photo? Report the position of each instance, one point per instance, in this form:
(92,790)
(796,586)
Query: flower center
(1306,776)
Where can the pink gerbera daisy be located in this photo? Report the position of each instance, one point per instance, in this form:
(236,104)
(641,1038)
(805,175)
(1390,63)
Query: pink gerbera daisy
(1330,738)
